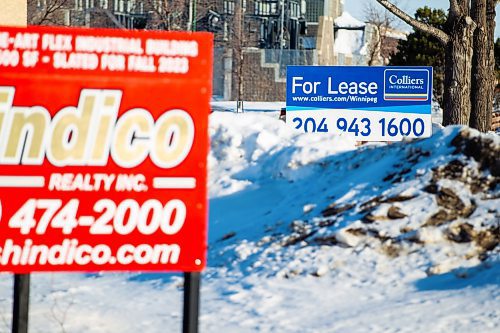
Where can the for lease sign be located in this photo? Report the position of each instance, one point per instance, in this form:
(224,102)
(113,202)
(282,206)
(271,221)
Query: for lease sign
(368,103)
(103,145)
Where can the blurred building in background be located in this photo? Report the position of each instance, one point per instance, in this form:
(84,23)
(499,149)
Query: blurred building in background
(255,40)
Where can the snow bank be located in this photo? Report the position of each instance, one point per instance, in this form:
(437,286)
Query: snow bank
(384,227)
(251,147)
(349,42)
(395,198)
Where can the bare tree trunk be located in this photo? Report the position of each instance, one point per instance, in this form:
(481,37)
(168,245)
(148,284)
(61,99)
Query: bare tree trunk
(376,48)
(490,23)
(481,108)
(458,68)
(458,40)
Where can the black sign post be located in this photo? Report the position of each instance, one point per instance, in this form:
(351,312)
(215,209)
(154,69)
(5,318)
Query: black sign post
(21,303)
(191,302)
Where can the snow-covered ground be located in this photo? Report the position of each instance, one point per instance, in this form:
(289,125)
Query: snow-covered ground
(310,233)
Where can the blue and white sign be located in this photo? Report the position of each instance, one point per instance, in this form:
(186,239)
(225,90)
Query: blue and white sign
(369,103)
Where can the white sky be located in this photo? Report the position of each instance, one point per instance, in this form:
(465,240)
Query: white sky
(355,8)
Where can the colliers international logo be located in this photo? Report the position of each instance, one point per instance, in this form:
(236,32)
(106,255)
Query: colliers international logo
(406,84)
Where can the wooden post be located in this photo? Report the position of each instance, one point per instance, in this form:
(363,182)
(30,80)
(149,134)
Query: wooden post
(191,302)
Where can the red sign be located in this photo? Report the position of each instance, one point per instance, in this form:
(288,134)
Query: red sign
(103,149)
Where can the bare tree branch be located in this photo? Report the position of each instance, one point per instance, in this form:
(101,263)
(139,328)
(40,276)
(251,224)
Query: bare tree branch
(173,14)
(383,22)
(437,33)
(46,11)
(58,312)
